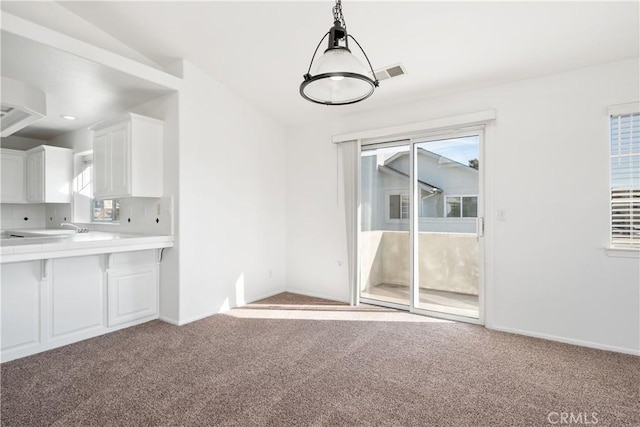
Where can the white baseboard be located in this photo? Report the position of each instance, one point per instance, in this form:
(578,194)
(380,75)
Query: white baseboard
(317,295)
(49,343)
(581,343)
(265,295)
(196,318)
(202,316)
(169,320)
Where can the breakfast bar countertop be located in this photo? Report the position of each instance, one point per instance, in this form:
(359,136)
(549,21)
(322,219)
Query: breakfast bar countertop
(16,249)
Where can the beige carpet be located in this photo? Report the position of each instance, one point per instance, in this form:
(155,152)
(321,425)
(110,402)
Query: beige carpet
(292,360)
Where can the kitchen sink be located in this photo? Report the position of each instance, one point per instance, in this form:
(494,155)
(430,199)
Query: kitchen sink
(39,233)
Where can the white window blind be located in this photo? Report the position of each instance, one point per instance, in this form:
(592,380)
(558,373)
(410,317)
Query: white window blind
(625,180)
(399,206)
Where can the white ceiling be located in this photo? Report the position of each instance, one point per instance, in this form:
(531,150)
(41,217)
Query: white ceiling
(262,49)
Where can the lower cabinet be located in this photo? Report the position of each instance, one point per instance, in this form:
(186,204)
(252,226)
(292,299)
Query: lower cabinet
(50,303)
(20,307)
(76,297)
(133,287)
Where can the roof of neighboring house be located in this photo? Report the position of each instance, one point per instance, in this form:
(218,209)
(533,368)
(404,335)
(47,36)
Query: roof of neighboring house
(424,185)
(441,159)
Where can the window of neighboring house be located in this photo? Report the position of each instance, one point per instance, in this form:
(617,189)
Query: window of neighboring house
(398,206)
(461,206)
(625,180)
(86,208)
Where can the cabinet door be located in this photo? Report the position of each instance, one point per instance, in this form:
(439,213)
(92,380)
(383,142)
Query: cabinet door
(13,177)
(120,160)
(58,175)
(35,176)
(20,312)
(132,294)
(76,297)
(101,164)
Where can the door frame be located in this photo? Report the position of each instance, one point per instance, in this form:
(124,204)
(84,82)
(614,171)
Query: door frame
(413,142)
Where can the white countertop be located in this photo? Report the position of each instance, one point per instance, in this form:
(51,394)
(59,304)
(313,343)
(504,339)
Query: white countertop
(77,244)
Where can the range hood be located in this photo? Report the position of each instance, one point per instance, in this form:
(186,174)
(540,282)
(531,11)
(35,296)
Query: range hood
(22,105)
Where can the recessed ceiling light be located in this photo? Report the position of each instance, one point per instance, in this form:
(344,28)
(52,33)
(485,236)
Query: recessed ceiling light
(68,117)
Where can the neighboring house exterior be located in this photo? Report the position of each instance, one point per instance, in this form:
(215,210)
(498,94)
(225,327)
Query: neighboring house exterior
(448,193)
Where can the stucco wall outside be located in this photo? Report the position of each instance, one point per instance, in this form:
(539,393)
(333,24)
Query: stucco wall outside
(447,261)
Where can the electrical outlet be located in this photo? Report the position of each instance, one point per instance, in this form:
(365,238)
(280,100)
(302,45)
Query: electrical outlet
(158,209)
(502,215)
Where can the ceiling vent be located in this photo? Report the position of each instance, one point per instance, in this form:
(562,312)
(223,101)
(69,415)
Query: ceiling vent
(21,105)
(390,71)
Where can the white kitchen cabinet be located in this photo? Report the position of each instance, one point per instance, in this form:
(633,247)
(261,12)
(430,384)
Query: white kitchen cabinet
(132,286)
(13,176)
(76,297)
(127,157)
(53,302)
(20,315)
(49,174)
(35,176)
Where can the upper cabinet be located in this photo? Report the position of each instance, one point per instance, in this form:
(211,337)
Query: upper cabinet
(49,174)
(127,157)
(13,176)
(40,175)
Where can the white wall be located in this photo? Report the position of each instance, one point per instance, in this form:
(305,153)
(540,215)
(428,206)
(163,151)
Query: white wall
(167,110)
(14,142)
(546,164)
(78,140)
(232,199)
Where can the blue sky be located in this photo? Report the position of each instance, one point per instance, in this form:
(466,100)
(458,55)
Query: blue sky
(459,149)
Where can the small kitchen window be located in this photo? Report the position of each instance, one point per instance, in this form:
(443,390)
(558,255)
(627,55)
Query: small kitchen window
(106,210)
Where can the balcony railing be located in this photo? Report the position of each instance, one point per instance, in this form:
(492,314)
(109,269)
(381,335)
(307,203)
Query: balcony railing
(446,261)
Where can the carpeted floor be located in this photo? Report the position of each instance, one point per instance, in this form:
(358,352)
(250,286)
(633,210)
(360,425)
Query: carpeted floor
(292,360)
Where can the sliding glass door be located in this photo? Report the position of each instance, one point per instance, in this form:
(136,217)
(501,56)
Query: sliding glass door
(421,225)
(385,273)
(447,249)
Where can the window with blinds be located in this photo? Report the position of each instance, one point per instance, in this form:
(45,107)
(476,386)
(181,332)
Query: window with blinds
(625,180)
(398,206)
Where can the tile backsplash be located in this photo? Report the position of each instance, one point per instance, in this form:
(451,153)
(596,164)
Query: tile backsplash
(142,215)
(20,216)
(57,213)
(139,215)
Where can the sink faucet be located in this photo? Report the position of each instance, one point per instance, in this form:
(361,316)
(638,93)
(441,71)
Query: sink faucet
(75,227)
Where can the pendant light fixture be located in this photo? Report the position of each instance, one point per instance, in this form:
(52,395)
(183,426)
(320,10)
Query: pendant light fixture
(338,77)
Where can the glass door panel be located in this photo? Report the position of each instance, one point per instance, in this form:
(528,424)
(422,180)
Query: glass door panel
(447,242)
(385,206)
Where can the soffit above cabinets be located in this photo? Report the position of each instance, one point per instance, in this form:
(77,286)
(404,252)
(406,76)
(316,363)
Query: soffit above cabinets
(72,86)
